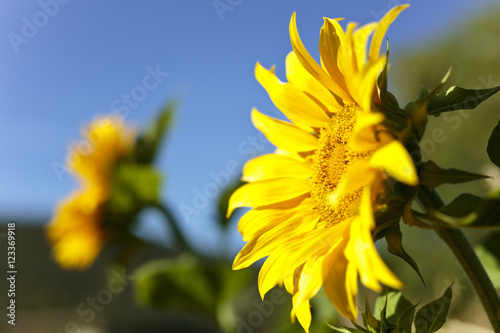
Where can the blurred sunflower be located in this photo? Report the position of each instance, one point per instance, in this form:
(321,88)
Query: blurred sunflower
(76,230)
(313,199)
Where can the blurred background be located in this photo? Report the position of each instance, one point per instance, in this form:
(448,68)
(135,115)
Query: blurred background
(83,59)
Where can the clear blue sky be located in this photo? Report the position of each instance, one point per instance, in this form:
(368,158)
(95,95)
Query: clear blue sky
(83,55)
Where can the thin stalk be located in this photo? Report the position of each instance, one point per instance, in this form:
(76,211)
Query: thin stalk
(174,227)
(463,251)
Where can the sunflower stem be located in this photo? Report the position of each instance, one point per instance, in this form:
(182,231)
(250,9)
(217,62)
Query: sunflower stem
(174,226)
(464,252)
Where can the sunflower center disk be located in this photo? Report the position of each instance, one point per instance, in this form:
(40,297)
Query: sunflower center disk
(332,161)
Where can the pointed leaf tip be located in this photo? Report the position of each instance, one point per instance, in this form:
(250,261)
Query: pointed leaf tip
(431,175)
(457,98)
(432,316)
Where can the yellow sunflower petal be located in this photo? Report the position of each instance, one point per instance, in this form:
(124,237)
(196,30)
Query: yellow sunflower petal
(296,105)
(394,159)
(361,250)
(347,64)
(331,39)
(108,140)
(77,250)
(303,314)
(288,281)
(310,282)
(275,166)
(292,226)
(364,120)
(283,134)
(357,177)
(350,55)
(271,273)
(360,40)
(368,83)
(256,221)
(308,241)
(340,282)
(311,65)
(382,27)
(266,192)
(364,138)
(300,78)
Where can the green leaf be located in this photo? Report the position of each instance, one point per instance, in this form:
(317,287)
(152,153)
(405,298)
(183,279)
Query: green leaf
(493,148)
(431,175)
(488,211)
(224,202)
(369,320)
(395,305)
(489,255)
(405,321)
(395,246)
(179,283)
(462,205)
(457,98)
(149,142)
(432,316)
(468,210)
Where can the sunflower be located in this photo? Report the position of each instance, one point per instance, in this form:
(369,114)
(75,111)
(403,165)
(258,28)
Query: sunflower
(313,199)
(76,231)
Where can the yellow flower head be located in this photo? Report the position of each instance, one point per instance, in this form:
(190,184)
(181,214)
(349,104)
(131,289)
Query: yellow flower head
(76,230)
(312,200)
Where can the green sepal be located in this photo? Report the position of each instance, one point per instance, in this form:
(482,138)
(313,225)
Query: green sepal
(423,93)
(133,187)
(409,107)
(385,324)
(493,148)
(390,205)
(410,219)
(382,80)
(388,100)
(457,98)
(392,101)
(432,316)
(150,141)
(431,175)
(394,240)
(372,323)
(344,329)
(395,119)
(393,313)
(419,111)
